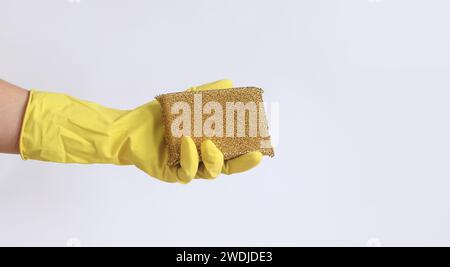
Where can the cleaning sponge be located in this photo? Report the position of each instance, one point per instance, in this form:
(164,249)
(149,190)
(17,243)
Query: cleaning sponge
(234,119)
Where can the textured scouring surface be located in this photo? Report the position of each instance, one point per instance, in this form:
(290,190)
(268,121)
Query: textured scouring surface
(231,147)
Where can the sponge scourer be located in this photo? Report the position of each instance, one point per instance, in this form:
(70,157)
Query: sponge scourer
(234,119)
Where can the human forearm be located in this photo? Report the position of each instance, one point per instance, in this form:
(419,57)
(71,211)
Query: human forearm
(13,101)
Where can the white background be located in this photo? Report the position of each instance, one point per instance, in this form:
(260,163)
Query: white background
(363,88)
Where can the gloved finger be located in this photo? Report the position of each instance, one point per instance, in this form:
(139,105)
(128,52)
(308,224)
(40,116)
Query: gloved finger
(242,163)
(188,160)
(212,161)
(220,84)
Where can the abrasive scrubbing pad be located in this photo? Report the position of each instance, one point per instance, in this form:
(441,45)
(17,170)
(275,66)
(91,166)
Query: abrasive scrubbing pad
(234,119)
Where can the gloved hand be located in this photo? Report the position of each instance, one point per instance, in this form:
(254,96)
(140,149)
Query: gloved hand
(60,128)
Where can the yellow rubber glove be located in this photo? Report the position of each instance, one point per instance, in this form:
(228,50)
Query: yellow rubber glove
(60,128)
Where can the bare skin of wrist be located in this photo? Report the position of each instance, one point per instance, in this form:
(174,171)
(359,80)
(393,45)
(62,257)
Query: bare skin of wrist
(13,101)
